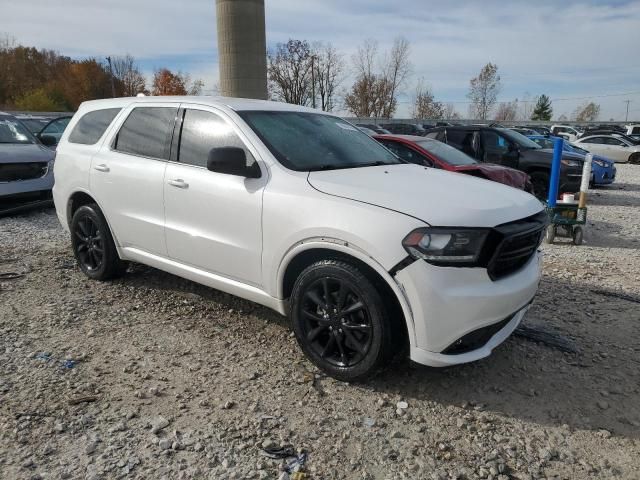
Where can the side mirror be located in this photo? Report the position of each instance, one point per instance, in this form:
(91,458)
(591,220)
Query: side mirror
(48,140)
(232,161)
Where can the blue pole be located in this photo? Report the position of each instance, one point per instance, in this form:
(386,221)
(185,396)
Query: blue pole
(555,172)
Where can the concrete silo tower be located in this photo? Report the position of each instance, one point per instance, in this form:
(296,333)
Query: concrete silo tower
(242,48)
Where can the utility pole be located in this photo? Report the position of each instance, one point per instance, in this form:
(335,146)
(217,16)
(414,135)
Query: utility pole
(113,88)
(626,117)
(313,82)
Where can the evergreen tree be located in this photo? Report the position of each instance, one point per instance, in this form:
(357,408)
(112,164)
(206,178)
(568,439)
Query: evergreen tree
(542,110)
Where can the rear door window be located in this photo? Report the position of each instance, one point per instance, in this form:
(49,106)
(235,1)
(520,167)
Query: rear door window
(462,140)
(147,132)
(92,126)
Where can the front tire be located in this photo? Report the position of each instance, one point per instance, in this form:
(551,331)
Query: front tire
(93,245)
(340,320)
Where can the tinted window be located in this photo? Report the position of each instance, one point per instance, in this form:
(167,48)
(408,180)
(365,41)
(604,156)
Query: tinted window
(202,131)
(613,141)
(146,131)
(635,130)
(494,143)
(598,140)
(462,140)
(405,153)
(446,153)
(92,125)
(56,126)
(311,141)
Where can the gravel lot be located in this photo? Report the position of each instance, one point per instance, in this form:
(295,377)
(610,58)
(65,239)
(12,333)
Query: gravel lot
(152,376)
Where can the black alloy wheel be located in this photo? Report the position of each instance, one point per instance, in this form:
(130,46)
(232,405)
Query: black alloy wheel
(90,243)
(336,322)
(341,321)
(93,245)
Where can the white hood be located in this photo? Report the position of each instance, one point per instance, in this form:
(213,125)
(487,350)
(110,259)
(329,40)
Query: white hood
(434,196)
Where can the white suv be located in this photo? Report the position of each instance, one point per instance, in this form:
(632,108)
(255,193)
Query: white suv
(300,211)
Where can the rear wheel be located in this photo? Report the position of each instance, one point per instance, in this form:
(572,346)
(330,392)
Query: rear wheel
(340,320)
(93,245)
(634,158)
(540,181)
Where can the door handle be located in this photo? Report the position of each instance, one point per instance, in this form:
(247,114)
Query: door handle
(179,183)
(102,168)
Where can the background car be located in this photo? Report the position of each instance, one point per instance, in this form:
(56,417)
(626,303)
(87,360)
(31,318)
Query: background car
(374,127)
(524,130)
(566,131)
(488,144)
(603,170)
(432,153)
(616,147)
(405,128)
(26,166)
(54,129)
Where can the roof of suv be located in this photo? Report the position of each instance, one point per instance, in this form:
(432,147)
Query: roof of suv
(237,104)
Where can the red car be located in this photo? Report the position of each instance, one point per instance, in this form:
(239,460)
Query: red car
(432,153)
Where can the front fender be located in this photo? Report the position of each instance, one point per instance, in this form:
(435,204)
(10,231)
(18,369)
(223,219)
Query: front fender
(352,251)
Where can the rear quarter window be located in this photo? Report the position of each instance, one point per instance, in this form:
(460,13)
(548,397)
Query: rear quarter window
(147,132)
(92,126)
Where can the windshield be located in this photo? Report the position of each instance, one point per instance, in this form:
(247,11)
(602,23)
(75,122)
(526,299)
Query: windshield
(310,141)
(12,131)
(446,153)
(521,140)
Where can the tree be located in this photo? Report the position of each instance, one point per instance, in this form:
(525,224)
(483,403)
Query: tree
(563,118)
(327,74)
(425,105)
(483,91)
(395,72)
(542,110)
(39,101)
(165,82)
(450,112)
(587,112)
(289,72)
(374,93)
(127,72)
(507,111)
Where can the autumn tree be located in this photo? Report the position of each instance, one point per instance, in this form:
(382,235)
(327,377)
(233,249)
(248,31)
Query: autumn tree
(424,105)
(166,82)
(542,110)
(127,72)
(374,92)
(327,73)
(289,72)
(483,91)
(507,111)
(39,101)
(587,112)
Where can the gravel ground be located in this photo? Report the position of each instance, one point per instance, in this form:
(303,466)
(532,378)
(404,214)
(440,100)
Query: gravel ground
(152,376)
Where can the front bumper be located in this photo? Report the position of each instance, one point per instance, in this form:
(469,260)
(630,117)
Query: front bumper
(41,184)
(449,303)
(604,176)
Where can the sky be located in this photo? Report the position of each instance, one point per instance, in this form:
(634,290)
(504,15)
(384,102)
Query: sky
(572,50)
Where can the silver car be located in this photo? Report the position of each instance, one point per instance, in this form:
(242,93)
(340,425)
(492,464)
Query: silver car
(26,166)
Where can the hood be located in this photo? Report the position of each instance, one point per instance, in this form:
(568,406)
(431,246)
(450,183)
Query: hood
(25,153)
(497,173)
(434,196)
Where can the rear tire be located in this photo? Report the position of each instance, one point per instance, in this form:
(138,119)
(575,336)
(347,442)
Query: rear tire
(93,245)
(540,181)
(340,321)
(578,235)
(634,158)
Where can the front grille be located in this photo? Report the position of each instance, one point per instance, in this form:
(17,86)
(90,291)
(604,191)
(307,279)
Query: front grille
(516,244)
(13,172)
(476,339)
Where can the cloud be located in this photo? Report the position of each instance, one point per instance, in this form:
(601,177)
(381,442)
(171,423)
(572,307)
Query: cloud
(565,49)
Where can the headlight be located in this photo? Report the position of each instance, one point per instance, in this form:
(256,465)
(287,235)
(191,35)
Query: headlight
(446,246)
(571,163)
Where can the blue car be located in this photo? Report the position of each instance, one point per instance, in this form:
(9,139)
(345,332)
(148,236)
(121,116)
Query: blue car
(603,170)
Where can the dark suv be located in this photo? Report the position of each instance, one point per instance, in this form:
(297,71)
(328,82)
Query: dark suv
(511,149)
(405,128)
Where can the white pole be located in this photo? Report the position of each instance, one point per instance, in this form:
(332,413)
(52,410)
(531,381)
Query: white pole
(586,179)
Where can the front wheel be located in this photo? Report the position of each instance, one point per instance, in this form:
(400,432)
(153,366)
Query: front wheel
(93,245)
(340,320)
(540,181)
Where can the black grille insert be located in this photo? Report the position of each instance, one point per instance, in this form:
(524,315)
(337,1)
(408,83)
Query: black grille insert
(516,242)
(476,339)
(13,172)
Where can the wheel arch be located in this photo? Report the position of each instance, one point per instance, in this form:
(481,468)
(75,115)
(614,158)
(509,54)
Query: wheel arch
(308,252)
(80,198)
